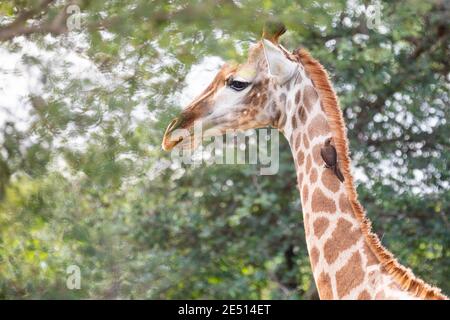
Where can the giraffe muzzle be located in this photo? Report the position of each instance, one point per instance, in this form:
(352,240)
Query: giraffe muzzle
(170,140)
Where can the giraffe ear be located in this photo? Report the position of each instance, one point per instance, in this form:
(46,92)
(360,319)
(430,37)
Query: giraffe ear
(280,67)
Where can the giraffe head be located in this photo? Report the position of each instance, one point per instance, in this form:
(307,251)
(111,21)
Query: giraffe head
(240,97)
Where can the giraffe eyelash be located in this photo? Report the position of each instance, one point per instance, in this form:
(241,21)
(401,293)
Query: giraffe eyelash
(237,85)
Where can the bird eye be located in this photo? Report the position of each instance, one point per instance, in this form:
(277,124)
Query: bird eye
(237,85)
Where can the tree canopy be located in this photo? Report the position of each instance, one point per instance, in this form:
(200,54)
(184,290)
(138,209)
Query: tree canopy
(84,104)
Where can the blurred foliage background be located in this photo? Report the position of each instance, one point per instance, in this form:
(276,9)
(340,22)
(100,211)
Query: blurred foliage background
(79,183)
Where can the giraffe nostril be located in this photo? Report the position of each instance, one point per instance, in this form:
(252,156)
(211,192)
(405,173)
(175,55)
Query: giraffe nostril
(172,125)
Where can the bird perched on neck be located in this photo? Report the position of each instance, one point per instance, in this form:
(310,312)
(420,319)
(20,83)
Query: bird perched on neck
(329,156)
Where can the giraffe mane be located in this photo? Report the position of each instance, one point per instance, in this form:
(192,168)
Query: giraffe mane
(330,104)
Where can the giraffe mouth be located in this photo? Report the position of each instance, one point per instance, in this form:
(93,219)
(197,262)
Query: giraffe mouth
(181,138)
(189,138)
(168,144)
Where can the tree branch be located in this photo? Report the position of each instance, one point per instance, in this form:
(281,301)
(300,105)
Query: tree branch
(18,27)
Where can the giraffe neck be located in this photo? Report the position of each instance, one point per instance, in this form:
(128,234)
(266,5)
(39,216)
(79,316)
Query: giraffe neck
(343,262)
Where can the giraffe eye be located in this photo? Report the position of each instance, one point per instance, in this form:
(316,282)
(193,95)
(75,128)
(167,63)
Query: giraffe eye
(237,85)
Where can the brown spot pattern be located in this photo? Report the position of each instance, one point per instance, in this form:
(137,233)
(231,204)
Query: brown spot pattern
(255,100)
(300,158)
(318,127)
(302,115)
(298,140)
(324,287)
(344,204)
(364,296)
(305,193)
(316,154)
(294,122)
(350,276)
(313,175)
(298,95)
(254,96)
(371,258)
(321,203)
(320,226)
(310,97)
(342,238)
(263,99)
(330,181)
(314,256)
(305,141)
(300,179)
(308,163)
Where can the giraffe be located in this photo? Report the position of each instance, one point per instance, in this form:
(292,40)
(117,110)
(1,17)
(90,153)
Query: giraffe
(292,92)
